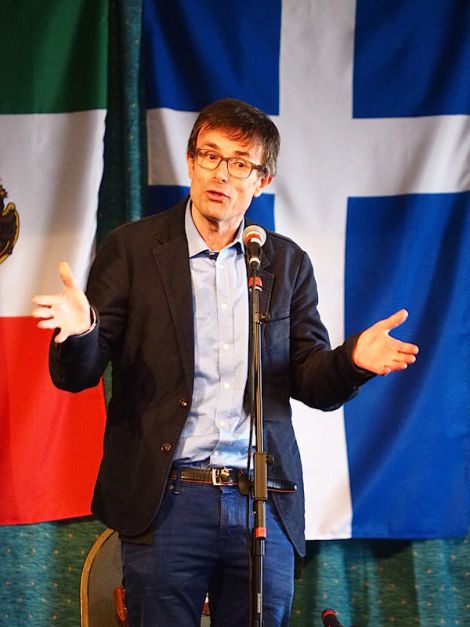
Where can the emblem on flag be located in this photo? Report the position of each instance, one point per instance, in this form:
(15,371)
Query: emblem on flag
(9,225)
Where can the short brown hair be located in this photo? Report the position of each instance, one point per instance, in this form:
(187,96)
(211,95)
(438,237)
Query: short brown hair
(242,121)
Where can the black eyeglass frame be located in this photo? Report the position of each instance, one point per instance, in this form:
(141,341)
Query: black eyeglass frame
(203,151)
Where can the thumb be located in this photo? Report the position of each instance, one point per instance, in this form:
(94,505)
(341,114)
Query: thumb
(66,275)
(395,319)
(61,337)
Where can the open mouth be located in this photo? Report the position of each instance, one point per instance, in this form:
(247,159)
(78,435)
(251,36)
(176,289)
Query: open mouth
(213,194)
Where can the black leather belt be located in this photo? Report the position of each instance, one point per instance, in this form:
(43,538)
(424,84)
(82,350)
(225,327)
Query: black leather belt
(226,477)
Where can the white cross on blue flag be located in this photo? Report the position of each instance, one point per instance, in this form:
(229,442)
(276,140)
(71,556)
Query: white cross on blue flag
(372,99)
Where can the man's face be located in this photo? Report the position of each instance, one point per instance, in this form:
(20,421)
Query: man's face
(217,197)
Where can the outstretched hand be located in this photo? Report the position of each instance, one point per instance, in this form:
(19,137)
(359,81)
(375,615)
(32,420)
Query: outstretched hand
(378,352)
(68,311)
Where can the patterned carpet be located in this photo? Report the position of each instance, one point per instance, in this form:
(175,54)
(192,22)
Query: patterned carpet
(368,582)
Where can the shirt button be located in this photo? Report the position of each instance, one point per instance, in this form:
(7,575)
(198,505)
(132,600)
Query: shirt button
(166,447)
(183,402)
(226,386)
(224,305)
(226,346)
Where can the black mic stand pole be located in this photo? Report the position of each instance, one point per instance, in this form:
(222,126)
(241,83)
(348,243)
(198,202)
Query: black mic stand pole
(260,479)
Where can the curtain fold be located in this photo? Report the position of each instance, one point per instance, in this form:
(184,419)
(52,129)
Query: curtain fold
(123,188)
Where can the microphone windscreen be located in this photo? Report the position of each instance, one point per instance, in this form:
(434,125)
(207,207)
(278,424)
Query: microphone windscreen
(254,233)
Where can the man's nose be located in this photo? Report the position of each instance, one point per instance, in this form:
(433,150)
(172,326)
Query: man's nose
(221,171)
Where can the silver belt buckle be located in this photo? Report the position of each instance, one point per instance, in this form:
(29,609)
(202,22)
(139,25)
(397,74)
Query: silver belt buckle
(218,474)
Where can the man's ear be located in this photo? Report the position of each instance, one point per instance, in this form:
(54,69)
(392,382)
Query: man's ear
(190,164)
(263,182)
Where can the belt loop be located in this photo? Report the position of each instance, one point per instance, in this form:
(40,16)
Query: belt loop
(177,488)
(244,483)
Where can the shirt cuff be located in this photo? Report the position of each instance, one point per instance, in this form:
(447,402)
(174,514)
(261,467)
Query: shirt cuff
(94,319)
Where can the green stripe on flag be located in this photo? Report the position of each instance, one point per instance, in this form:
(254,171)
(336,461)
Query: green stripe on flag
(54,55)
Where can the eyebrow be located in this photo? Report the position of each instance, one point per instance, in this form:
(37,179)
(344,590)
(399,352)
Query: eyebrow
(239,153)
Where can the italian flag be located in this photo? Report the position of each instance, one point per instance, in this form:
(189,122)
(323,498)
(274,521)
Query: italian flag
(53,69)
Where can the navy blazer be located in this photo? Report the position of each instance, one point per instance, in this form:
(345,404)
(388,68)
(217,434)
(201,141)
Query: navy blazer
(140,285)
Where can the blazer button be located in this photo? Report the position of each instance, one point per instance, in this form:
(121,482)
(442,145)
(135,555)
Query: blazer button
(183,403)
(166,447)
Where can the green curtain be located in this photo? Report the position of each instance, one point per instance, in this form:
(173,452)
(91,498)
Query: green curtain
(124,185)
(369,583)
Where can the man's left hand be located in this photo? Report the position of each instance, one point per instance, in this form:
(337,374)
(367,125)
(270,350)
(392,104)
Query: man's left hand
(378,352)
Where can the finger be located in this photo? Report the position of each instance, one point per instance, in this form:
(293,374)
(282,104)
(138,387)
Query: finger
(42,312)
(50,323)
(393,366)
(66,275)
(395,320)
(61,337)
(404,359)
(408,359)
(407,348)
(46,300)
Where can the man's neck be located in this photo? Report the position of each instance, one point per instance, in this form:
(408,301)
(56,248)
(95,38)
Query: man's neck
(216,235)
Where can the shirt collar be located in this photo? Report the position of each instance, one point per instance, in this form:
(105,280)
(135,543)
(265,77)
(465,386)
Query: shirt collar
(196,244)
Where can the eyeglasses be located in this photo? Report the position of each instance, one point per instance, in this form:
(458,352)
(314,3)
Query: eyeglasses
(237,167)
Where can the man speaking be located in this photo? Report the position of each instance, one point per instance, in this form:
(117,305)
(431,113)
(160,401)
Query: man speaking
(167,303)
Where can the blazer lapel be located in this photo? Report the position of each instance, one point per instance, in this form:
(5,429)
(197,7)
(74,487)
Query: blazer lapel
(172,258)
(267,279)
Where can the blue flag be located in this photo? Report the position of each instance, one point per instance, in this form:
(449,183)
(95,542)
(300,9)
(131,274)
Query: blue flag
(372,100)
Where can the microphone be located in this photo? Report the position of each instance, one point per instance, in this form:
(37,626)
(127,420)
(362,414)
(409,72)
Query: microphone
(329,618)
(254,237)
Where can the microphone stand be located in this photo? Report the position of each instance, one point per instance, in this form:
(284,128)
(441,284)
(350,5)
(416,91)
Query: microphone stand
(260,479)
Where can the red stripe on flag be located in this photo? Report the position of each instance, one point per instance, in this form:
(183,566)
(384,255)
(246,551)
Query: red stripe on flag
(51,441)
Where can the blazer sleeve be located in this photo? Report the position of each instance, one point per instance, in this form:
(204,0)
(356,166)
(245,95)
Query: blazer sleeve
(79,362)
(320,377)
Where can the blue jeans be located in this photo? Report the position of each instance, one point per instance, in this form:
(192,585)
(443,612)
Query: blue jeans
(200,546)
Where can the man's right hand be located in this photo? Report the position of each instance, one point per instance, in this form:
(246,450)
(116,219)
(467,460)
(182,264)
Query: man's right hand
(68,311)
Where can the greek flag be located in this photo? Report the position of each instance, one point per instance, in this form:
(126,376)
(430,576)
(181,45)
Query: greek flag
(372,99)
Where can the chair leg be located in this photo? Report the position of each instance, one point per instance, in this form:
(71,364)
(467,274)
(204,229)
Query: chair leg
(120,604)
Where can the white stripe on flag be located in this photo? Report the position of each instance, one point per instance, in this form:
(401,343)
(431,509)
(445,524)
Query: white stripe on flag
(328,507)
(52,174)
(167,137)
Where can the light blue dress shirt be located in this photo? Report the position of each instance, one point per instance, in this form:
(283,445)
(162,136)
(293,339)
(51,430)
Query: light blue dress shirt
(217,429)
